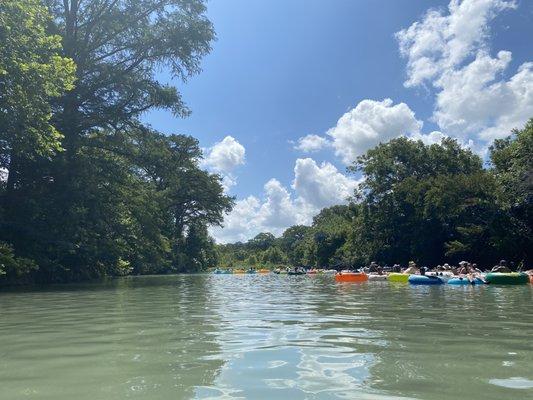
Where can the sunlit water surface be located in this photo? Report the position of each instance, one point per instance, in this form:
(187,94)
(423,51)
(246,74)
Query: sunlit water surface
(265,337)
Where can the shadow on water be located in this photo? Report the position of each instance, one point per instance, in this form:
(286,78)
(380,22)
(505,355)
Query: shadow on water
(146,337)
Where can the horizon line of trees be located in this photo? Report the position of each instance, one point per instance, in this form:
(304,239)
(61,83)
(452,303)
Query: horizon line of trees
(86,188)
(428,203)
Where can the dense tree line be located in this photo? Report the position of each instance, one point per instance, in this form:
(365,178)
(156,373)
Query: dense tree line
(87,190)
(429,203)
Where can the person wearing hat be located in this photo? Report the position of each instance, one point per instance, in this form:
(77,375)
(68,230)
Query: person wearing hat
(396,268)
(463,268)
(411,269)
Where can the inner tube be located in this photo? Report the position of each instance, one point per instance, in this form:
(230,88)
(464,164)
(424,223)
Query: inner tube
(238,271)
(295,273)
(373,277)
(351,277)
(397,277)
(463,280)
(424,280)
(264,271)
(507,278)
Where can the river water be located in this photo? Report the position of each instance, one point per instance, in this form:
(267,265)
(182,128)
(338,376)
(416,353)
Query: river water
(265,337)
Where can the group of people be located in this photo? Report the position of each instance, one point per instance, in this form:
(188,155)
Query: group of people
(464,268)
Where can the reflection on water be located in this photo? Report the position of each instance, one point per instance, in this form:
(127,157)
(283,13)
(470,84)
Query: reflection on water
(264,337)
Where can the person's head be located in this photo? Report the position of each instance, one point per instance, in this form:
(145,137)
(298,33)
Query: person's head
(412,264)
(446,266)
(503,263)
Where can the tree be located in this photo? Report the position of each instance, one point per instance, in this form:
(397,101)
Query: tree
(292,243)
(112,195)
(32,71)
(261,241)
(330,231)
(12,266)
(273,255)
(117,47)
(512,161)
(422,202)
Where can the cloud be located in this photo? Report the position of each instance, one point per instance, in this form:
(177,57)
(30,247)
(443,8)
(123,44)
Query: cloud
(311,143)
(314,187)
(250,216)
(223,157)
(448,52)
(441,40)
(321,185)
(370,123)
(434,137)
(473,101)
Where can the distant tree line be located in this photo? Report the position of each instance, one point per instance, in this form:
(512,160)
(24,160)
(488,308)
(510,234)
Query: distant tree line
(428,203)
(86,189)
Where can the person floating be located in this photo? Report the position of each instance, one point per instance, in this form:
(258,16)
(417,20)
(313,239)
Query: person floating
(411,269)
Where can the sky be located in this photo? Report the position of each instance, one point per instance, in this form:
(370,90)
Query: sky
(294,90)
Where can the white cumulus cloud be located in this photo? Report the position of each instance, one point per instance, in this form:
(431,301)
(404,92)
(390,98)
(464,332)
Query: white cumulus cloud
(250,216)
(449,51)
(223,157)
(370,123)
(321,185)
(314,187)
(443,40)
(311,143)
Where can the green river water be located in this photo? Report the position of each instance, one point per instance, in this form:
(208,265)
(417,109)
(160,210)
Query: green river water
(265,337)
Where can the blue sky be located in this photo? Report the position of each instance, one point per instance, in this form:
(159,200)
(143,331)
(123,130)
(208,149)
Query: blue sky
(284,69)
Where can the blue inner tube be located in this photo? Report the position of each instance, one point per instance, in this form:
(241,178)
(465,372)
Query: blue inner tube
(464,281)
(425,280)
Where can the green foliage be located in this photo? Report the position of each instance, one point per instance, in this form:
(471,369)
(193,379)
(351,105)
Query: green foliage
(12,267)
(32,71)
(512,159)
(273,255)
(423,202)
(293,244)
(431,204)
(107,196)
(261,241)
(316,245)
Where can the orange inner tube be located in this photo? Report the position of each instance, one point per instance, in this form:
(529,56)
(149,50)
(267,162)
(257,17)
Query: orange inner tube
(351,277)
